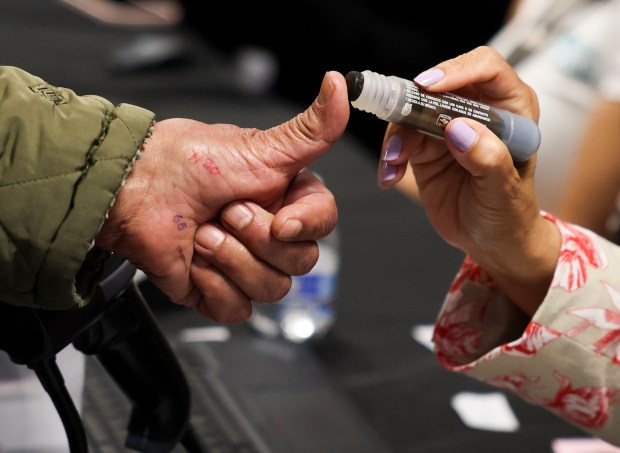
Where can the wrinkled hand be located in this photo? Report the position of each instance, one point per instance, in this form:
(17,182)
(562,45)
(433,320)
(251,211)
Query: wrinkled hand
(250,256)
(474,196)
(241,197)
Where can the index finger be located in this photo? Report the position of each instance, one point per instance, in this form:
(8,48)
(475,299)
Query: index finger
(309,211)
(484,75)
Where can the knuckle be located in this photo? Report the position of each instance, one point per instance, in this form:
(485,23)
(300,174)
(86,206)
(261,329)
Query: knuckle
(229,312)
(307,260)
(274,289)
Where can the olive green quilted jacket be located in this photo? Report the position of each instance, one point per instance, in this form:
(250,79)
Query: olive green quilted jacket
(63,157)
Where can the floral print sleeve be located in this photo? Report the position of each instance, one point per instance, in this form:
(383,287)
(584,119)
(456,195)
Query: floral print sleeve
(567,357)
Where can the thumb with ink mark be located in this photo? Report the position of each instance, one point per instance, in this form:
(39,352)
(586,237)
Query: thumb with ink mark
(306,137)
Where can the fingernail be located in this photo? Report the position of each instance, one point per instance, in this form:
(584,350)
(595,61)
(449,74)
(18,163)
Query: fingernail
(327,89)
(238,216)
(392,149)
(209,236)
(461,135)
(387,172)
(429,77)
(290,229)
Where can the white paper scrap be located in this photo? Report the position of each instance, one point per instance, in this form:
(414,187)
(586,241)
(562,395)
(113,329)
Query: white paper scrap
(423,334)
(488,411)
(205,334)
(585,445)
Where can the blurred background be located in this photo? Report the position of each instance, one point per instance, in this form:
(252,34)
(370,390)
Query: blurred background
(370,384)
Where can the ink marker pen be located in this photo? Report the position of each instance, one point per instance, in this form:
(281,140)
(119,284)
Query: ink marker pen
(401,101)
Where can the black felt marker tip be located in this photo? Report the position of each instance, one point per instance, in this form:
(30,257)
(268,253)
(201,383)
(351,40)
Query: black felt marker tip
(355,84)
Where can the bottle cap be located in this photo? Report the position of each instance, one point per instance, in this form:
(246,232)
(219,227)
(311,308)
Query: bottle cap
(355,84)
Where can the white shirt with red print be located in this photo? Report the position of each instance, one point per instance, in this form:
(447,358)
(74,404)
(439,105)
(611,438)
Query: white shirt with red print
(567,357)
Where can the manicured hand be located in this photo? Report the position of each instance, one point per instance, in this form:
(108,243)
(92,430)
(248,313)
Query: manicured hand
(474,195)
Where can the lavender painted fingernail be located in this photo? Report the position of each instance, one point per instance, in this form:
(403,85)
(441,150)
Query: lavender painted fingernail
(387,172)
(461,135)
(429,77)
(393,148)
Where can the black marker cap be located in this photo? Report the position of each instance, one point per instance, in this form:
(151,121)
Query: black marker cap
(355,84)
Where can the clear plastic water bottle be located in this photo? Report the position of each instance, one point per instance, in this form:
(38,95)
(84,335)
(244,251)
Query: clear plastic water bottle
(307,312)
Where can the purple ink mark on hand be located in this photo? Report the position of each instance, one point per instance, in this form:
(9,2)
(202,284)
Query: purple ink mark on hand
(182,225)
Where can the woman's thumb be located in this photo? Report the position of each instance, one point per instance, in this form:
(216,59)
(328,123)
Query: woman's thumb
(306,137)
(479,150)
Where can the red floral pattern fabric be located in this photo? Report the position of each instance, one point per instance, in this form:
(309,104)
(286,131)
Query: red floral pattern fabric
(567,357)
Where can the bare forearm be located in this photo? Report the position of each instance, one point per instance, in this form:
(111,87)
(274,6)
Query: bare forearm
(594,183)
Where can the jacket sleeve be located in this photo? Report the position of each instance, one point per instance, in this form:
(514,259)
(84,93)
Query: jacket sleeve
(567,357)
(63,157)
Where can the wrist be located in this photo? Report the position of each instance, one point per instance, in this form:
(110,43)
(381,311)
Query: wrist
(523,267)
(128,198)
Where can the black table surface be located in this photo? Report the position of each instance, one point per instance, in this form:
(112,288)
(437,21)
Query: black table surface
(394,269)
